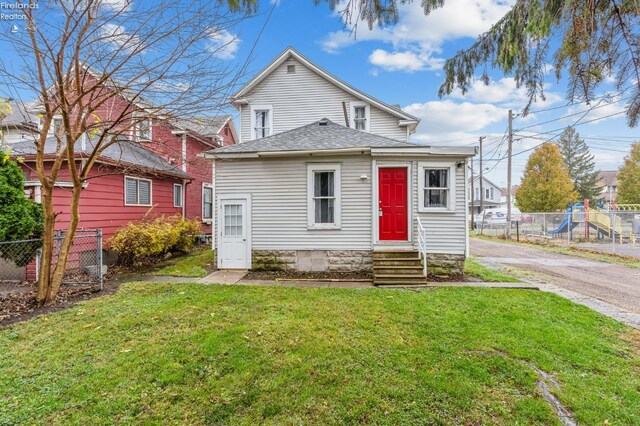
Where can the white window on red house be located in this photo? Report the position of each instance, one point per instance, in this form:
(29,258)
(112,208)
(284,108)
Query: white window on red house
(177,195)
(137,191)
(207,203)
(143,129)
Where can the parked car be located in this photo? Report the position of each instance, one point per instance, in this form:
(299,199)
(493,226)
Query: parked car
(497,216)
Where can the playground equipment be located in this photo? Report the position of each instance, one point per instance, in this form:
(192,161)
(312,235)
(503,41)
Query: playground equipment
(605,224)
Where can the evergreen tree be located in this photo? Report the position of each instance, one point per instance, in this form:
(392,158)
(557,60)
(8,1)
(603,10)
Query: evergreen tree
(580,164)
(545,186)
(629,178)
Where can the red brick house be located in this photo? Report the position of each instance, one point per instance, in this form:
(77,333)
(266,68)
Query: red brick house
(154,170)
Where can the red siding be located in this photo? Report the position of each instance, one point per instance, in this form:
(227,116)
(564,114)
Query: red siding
(102,201)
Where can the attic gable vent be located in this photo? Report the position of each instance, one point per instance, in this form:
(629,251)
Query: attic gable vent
(291,69)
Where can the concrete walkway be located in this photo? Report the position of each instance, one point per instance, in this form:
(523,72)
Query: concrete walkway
(224,276)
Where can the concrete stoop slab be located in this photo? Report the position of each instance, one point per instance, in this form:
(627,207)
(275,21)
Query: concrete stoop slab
(224,276)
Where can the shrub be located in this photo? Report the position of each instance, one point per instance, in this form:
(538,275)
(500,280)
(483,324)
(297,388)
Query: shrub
(20,217)
(147,239)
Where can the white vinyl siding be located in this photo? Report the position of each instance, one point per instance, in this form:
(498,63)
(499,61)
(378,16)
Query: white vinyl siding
(280,204)
(446,230)
(279,201)
(137,191)
(304,97)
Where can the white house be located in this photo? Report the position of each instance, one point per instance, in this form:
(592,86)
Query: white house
(19,126)
(325,179)
(489,196)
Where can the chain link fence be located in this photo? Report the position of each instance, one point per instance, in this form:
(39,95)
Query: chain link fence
(599,230)
(20,261)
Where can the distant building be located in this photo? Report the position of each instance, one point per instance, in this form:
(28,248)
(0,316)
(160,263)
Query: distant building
(490,197)
(19,126)
(608,180)
(503,198)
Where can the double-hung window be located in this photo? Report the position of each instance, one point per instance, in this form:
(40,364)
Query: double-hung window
(143,129)
(323,196)
(261,121)
(137,191)
(360,116)
(207,202)
(437,191)
(177,195)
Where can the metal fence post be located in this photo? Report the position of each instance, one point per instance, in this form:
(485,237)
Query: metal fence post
(99,258)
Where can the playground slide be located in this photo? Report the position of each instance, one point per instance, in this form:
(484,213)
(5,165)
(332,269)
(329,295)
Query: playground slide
(564,226)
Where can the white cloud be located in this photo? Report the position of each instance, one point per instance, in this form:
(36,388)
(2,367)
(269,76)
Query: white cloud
(449,119)
(223,44)
(416,32)
(118,36)
(404,61)
(117,5)
(505,92)
(605,109)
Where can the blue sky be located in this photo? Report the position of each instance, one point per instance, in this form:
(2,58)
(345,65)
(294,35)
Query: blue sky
(401,65)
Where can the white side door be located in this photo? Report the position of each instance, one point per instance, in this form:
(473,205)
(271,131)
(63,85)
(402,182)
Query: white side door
(234,251)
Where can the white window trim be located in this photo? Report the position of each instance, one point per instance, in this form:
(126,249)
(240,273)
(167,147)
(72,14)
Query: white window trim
(337,191)
(181,195)
(136,127)
(367,115)
(255,108)
(451,198)
(207,220)
(150,192)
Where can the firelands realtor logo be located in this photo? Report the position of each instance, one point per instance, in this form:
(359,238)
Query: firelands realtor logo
(15,12)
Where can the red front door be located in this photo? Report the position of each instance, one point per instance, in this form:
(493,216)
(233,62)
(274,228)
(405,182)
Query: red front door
(392,203)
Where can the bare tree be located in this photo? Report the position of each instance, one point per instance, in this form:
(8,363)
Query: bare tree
(102,66)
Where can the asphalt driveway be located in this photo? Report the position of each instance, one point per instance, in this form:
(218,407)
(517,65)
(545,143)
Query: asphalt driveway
(614,284)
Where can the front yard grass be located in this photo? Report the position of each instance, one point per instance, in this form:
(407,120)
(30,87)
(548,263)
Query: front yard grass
(192,354)
(473,268)
(196,264)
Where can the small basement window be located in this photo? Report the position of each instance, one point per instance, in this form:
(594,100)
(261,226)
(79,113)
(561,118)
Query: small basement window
(137,191)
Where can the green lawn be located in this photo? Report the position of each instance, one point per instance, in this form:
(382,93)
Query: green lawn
(475,269)
(193,354)
(197,264)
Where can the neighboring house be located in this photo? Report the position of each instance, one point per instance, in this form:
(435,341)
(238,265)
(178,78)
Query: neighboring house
(20,125)
(489,198)
(304,191)
(503,197)
(608,181)
(156,168)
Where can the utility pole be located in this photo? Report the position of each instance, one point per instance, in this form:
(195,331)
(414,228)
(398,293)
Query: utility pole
(509,152)
(473,205)
(481,173)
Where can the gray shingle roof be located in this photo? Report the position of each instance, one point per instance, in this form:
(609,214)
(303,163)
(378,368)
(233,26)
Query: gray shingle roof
(123,152)
(315,136)
(20,115)
(205,126)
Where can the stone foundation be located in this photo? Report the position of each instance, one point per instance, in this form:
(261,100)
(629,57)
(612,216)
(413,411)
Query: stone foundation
(312,260)
(342,261)
(445,265)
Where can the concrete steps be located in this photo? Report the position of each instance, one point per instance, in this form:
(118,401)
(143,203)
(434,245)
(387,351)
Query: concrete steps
(394,267)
